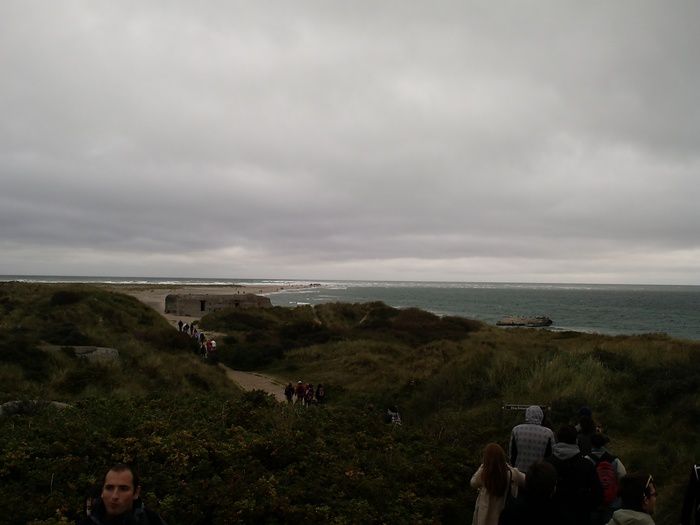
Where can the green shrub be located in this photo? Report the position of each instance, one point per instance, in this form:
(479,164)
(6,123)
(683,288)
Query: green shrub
(19,349)
(65,334)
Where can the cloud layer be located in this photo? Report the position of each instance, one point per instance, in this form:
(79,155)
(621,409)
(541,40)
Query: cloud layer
(541,141)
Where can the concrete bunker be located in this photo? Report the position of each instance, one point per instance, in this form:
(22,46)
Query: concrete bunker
(200,304)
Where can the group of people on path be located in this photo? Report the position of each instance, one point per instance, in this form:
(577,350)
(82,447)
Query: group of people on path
(570,478)
(207,347)
(304,393)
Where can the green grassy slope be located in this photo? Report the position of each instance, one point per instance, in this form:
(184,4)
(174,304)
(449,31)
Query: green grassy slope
(41,324)
(210,455)
(450,377)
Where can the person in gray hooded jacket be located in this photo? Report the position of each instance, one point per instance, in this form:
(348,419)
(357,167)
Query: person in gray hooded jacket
(530,441)
(579,491)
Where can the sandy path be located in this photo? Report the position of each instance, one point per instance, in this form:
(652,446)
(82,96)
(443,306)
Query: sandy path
(154,296)
(255,381)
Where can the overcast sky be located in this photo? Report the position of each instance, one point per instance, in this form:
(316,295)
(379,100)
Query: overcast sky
(535,141)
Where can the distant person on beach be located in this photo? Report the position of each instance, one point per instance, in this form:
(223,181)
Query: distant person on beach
(578,488)
(691,501)
(119,502)
(610,471)
(289,392)
(494,479)
(638,499)
(179,325)
(530,441)
(534,506)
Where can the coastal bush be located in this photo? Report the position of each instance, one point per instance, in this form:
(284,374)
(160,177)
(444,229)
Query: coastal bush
(65,297)
(303,333)
(19,349)
(65,334)
(247,356)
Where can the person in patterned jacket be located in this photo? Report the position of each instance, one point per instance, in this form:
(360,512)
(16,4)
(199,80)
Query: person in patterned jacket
(530,441)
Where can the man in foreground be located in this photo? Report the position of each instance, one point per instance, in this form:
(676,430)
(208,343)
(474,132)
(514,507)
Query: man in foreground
(119,502)
(638,495)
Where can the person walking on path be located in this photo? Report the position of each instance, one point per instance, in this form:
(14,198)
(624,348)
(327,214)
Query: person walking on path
(638,497)
(610,471)
(494,479)
(300,392)
(578,488)
(530,441)
(289,392)
(320,393)
(534,506)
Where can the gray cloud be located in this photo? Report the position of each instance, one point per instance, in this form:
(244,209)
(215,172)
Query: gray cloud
(542,141)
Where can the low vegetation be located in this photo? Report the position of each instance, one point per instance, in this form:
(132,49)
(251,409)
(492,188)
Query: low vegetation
(209,453)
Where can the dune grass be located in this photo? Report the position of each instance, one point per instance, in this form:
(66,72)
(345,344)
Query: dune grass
(451,384)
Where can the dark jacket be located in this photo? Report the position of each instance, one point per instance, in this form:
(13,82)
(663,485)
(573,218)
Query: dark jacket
(138,515)
(578,487)
(527,511)
(691,502)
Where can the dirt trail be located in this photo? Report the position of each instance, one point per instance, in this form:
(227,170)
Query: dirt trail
(245,380)
(255,381)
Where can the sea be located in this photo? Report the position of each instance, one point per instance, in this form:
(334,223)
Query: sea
(595,308)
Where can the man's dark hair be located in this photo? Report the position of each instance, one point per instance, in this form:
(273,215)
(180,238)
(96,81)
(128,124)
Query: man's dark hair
(567,434)
(123,467)
(633,489)
(540,481)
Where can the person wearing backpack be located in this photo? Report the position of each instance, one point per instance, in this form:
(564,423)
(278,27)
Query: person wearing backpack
(610,471)
(579,491)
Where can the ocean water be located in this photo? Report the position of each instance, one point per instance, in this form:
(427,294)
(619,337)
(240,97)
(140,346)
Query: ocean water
(606,309)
